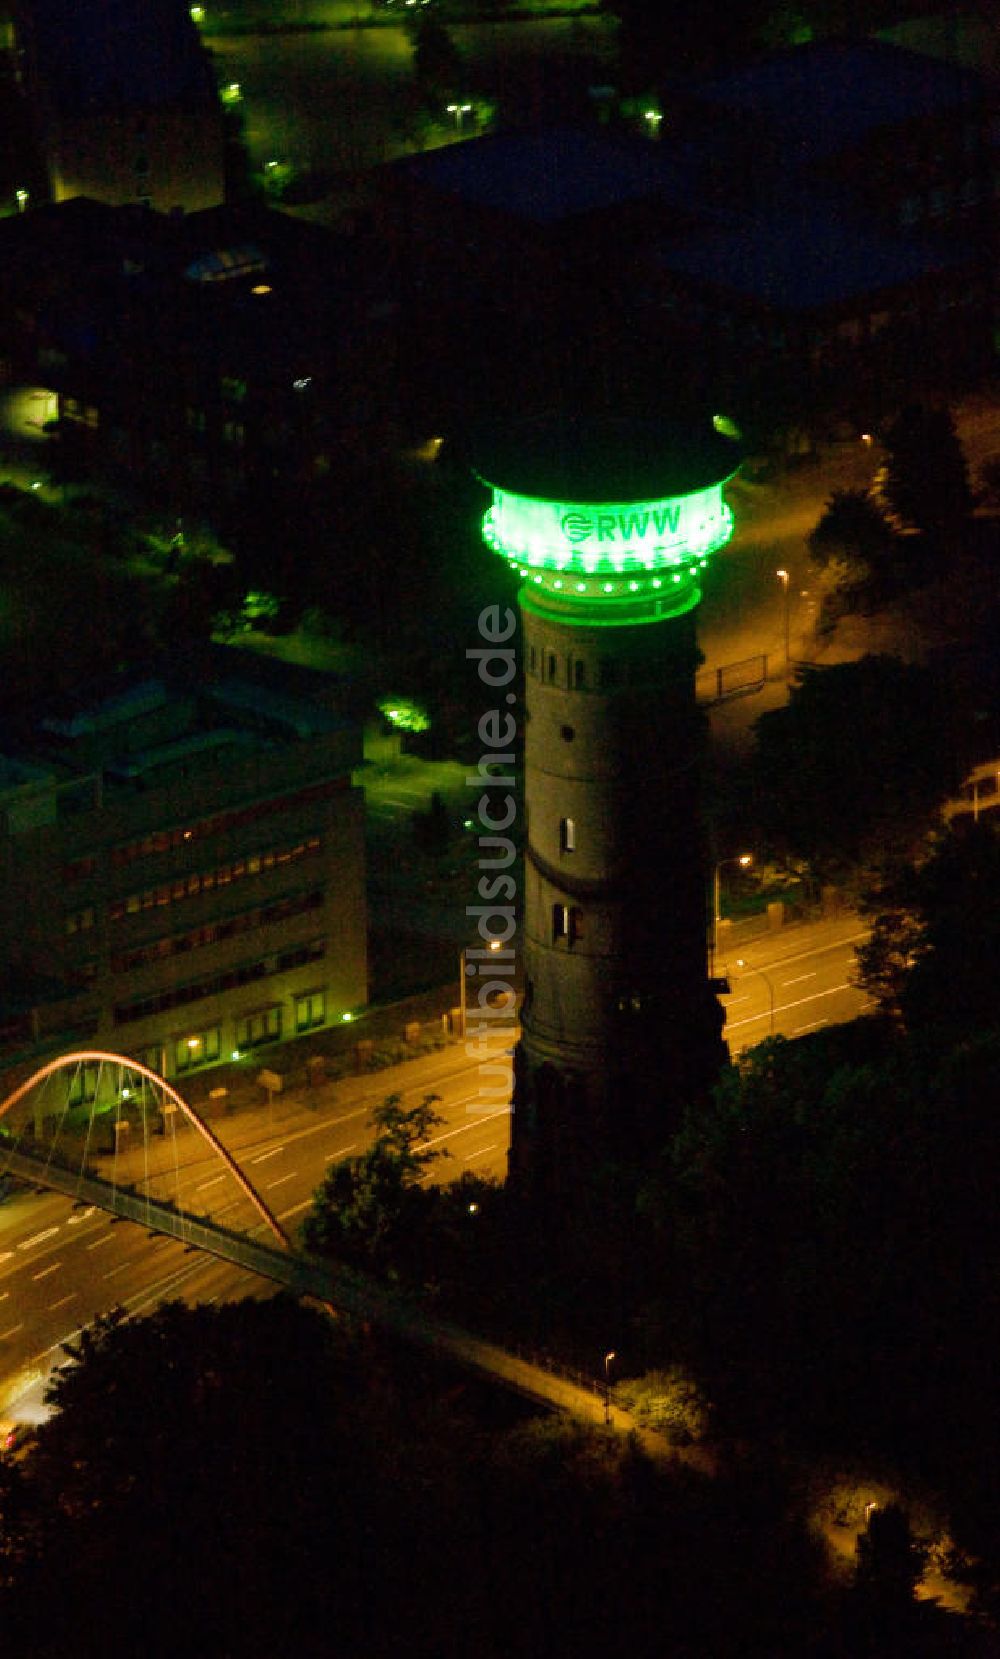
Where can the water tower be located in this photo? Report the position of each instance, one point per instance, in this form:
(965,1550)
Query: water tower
(609,524)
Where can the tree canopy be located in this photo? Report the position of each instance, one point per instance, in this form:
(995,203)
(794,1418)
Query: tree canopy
(851,770)
(927,477)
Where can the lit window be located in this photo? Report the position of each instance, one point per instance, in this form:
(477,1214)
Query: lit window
(560,921)
(567,835)
(310,1010)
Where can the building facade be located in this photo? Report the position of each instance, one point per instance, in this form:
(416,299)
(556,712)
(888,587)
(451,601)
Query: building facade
(183,875)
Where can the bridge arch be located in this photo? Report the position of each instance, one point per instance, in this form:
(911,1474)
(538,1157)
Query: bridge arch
(85,1056)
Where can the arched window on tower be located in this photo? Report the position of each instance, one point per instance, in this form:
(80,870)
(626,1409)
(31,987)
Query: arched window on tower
(579,675)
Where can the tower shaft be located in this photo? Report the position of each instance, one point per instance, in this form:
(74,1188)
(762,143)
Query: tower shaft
(620,1028)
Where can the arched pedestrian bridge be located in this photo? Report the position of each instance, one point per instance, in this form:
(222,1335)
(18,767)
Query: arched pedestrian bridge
(104,1129)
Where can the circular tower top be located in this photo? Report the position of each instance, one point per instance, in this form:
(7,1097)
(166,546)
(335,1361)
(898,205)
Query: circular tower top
(608,516)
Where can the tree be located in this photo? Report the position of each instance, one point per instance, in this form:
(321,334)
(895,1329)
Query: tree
(372,1209)
(949,986)
(437,64)
(850,772)
(927,478)
(855,538)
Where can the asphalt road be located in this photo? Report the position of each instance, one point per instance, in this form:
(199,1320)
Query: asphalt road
(60,1266)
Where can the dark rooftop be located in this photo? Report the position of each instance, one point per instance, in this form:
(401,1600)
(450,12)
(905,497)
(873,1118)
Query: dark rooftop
(831,94)
(803,260)
(604,458)
(118,54)
(550,174)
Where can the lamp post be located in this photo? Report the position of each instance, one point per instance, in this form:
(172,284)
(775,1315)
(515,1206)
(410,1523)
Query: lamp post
(459,111)
(609,1356)
(744,860)
(465,970)
(741,962)
(785,580)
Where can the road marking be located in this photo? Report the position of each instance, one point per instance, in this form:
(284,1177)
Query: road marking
(37,1238)
(463,1129)
(799,978)
(784,1007)
(213,1183)
(281,1180)
(61,1304)
(99,1241)
(75,1220)
(122,1266)
(5,1255)
(814,1027)
(342,1154)
(46,1271)
(4,1295)
(5,1335)
(295,1209)
(265,1155)
(732,1001)
(481,1153)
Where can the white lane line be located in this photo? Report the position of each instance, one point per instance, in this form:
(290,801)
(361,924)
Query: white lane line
(4,1335)
(83,1215)
(212,1183)
(37,1238)
(121,1268)
(281,1180)
(814,1027)
(481,1153)
(99,1241)
(464,1128)
(784,1006)
(775,962)
(799,978)
(328,1159)
(265,1155)
(296,1209)
(732,1001)
(61,1304)
(46,1271)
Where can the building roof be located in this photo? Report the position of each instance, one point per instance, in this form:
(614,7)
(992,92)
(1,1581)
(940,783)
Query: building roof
(827,96)
(101,55)
(601,458)
(549,175)
(804,258)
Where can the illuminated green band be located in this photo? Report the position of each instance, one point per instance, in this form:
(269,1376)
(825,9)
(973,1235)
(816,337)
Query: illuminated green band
(614,548)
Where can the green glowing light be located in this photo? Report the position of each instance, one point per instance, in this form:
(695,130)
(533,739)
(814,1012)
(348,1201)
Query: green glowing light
(549,540)
(347,1018)
(405,715)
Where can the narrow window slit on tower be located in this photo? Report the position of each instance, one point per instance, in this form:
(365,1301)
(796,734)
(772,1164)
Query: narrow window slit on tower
(567,835)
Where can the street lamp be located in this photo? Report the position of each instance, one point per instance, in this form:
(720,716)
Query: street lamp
(459,111)
(744,860)
(467,968)
(784,579)
(609,1356)
(741,962)
(652,118)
